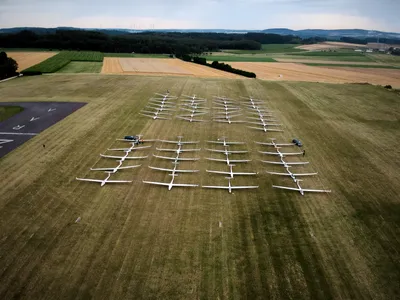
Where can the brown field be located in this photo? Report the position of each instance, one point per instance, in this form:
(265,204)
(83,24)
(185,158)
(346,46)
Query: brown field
(298,72)
(330,45)
(160,66)
(29,59)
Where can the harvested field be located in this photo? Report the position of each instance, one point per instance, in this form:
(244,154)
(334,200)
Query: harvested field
(137,241)
(160,66)
(331,45)
(151,65)
(299,72)
(29,59)
(111,65)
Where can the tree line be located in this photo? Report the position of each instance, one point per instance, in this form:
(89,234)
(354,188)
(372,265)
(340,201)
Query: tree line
(365,41)
(145,42)
(217,65)
(8,66)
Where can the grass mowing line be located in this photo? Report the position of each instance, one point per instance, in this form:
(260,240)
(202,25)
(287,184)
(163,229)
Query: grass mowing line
(81,67)
(7,112)
(352,66)
(239,58)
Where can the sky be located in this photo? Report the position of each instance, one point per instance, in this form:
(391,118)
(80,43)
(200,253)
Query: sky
(205,14)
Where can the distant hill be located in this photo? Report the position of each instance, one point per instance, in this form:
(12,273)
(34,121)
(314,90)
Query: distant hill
(335,34)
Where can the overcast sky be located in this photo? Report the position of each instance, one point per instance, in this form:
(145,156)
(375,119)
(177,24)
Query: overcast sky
(207,14)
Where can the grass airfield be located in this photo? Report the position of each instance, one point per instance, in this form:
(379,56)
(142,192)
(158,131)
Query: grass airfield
(139,241)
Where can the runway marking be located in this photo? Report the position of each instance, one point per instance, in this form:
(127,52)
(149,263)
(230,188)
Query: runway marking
(18,127)
(34,119)
(19,133)
(52,109)
(4,141)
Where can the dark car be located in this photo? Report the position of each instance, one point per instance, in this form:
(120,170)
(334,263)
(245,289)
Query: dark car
(297,142)
(131,137)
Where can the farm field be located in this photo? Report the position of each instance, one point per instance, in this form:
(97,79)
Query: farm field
(62,59)
(331,45)
(29,59)
(82,67)
(300,72)
(160,66)
(350,65)
(320,60)
(242,58)
(269,48)
(136,55)
(138,241)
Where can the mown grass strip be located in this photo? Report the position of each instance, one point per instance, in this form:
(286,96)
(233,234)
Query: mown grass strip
(7,112)
(81,67)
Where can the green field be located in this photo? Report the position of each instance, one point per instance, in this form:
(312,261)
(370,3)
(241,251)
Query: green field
(223,58)
(62,59)
(138,55)
(330,53)
(352,66)
(269,48)
(137,241)
(8,111)
(82,67)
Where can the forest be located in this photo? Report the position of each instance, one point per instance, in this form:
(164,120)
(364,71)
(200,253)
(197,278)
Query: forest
(145,42)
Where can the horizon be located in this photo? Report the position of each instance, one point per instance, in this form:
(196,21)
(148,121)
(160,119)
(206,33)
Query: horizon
(209,14)
(203,29)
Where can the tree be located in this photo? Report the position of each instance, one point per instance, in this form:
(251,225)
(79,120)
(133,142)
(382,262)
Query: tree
(8,66)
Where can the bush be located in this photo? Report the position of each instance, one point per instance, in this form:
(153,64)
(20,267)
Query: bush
(389,87)
(200,60)
(228,68)
(31,73)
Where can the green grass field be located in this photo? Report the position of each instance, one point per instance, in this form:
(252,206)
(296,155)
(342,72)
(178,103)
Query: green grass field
(138,241)
(223,58)
(349,59)
(138,55)
(8,111)
(62,59)
(82,67)
(352,66)
(269,48)
(330,53)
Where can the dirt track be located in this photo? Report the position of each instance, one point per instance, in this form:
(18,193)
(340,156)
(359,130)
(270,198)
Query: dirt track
(299,72)
(29,59)
(157,66)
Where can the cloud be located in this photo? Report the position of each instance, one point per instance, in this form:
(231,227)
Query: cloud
(229,14)
(328,21)
(132,22)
